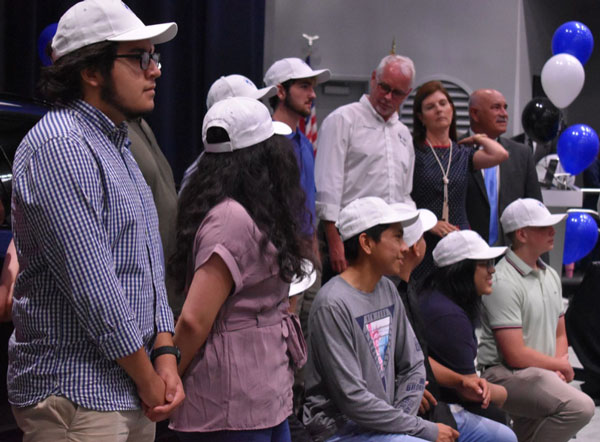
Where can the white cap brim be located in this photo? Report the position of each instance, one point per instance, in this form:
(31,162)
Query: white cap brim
(490,253)
(404,218)
(391,216)
(426,221)
(280,128)
(265,92)
(299,285)
(463,244)
(551,220)
(159,33)
(320,76)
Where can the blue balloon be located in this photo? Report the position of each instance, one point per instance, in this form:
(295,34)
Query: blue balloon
(573,38)
(46,37)
(577,148)
(580,236)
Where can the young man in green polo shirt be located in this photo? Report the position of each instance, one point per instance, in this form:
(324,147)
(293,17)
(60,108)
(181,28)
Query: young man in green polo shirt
(523,346)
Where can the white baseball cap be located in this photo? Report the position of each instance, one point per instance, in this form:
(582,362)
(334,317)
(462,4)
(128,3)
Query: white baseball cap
(528,212)
(247,122)
(293,69)
(236,86)
(463,244)
(93,21)
(424,222)
(299,285)
(364,213)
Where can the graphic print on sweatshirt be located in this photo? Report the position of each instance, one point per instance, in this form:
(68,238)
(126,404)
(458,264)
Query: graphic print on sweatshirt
(376,328)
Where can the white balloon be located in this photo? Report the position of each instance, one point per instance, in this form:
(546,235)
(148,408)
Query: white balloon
(562,79)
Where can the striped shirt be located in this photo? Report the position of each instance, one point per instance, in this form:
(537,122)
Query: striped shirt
(91,286)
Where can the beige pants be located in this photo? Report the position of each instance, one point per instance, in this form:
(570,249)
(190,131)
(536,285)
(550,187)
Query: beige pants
(58,419)
(543,407)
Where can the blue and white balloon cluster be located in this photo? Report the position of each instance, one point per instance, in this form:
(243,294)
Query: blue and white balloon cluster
(562,79)
(563,74)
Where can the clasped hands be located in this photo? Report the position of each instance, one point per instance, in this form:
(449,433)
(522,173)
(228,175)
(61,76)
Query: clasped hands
(163,392)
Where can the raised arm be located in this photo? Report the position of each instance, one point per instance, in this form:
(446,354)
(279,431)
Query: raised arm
(491,154)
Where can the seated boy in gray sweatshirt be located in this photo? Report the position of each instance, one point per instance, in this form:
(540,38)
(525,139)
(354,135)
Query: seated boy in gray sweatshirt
(365,375)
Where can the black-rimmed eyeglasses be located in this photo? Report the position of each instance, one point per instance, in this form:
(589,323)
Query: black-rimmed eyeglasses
(489,263)
(386,89)
(144,58)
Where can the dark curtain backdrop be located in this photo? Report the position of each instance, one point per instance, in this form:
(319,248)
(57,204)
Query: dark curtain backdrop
(216,37)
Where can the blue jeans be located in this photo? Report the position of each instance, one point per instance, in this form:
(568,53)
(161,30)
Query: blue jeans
(279,433)
(474,428)
(352,432)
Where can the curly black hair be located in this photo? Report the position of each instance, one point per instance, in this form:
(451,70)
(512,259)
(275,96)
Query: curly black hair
(456,281)
(61,81)
(265,180)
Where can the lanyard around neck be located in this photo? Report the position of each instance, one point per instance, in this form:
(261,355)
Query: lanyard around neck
(445,179)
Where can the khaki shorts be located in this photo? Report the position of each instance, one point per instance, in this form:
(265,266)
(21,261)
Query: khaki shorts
(58,419)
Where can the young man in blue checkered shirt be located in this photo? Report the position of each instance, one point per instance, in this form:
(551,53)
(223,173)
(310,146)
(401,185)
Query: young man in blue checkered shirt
(92,355)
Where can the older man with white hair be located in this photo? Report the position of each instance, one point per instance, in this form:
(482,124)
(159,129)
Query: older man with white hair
(365,150)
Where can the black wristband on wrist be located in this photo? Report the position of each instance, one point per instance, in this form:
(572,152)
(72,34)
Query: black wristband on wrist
(165,350)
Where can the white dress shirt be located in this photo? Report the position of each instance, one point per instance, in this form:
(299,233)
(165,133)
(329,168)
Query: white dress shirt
(360,154)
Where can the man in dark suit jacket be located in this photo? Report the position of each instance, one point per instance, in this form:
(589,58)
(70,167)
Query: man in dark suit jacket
(541,149)
(516,177)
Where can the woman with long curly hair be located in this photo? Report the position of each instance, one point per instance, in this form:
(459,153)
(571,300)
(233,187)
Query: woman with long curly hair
(239,245)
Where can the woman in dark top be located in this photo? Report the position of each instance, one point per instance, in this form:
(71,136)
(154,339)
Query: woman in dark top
(442,166)
(449,306)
